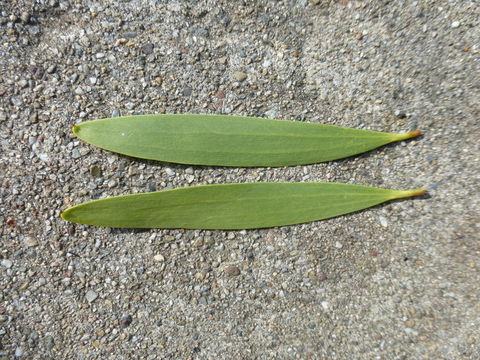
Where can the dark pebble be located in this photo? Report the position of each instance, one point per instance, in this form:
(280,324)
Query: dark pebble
(232,270)
(151,187)
(49,342)
(147,48)
(187,92)
(220,94)
(400,114)
(96,171)
(125,321)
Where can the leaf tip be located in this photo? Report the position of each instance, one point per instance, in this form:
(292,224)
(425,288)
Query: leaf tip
(419,192)
(415,133)
(406,136)
(409,193)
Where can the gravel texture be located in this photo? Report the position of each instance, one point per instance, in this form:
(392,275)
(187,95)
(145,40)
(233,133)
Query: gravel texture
(398,281)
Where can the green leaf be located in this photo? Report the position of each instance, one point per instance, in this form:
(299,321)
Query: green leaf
(230,140)
(232,206)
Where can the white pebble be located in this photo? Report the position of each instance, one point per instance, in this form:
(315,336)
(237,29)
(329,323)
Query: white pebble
(159,257)
(7,263)
(410,331)
(44,157)
(91,296)
(455,24)
(30,242)
(383,221)
(338,245)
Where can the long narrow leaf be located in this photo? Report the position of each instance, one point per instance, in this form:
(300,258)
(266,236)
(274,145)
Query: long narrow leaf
(230,140)
(232,206)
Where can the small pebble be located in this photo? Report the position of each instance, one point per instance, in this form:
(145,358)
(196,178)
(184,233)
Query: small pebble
(383,221)
(44,157)
(338,245)
(91,296)
(198,242)
(203,300)
(25,17)
(232,270)
(400,114)
(7,263)
(83,151)
(240,76)
(22,83)
(410,331)
(209,241)
(125,321)
(16,101)
(18,352)
(112,183)
(151,187)
(95,171)
(51,69)
(410,323)
(271,114)
(322,276)
(169,172)
(147,48)
(159,257)
(187,91)
(455,24)
(30,242)
(49,342)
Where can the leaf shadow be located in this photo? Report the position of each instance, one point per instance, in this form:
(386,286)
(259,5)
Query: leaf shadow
(118,231)
(345,161)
